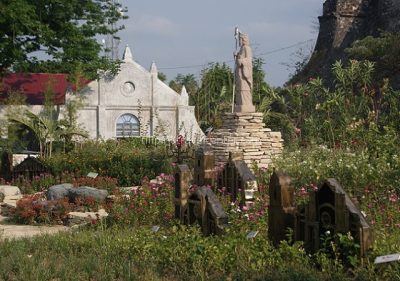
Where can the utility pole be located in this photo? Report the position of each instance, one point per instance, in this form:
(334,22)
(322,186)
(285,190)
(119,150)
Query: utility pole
(111,44)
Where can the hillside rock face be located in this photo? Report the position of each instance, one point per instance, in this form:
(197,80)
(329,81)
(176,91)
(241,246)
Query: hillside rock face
(343,22)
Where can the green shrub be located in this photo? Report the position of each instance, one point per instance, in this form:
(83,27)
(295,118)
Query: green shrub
(44,181)
(128,160)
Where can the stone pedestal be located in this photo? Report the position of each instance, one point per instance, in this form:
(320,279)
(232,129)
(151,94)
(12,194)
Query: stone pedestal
(246,133)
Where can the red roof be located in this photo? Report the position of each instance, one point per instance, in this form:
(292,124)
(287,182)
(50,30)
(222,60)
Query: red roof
(34,86)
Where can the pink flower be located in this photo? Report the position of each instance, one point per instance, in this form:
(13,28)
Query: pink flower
(180,141)
(303,191)
(244,208)
(393,197)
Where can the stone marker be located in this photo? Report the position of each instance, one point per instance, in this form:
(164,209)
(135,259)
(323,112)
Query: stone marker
(387,258)
(329,209)
(183,178)
(281,211)
(252,234)
(155,228)
(205,209)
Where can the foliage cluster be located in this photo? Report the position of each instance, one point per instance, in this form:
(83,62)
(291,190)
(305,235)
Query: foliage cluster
(44,181)
(381,50)
(212,95)
(65,31)
(373,182)
(148,204)
(346,116)
(127,160)
(33,210)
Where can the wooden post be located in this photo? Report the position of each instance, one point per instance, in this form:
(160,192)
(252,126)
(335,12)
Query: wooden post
(183,179)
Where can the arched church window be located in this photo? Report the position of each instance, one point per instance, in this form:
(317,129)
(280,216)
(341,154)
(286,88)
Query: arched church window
(127,126)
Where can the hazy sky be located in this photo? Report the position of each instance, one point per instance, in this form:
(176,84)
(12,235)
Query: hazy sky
(178,33)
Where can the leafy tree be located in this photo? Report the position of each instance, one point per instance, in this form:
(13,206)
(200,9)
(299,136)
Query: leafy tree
(162,76)
(61,31)
(214,97)
(260,86)
(383,51)
(189,81)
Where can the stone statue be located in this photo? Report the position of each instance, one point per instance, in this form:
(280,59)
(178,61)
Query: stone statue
(243,76)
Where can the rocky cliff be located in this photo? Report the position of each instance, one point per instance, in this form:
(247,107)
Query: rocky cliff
(343,22)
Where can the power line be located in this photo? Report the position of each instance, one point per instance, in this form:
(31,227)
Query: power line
(186,66)
(287,47)
(228,61)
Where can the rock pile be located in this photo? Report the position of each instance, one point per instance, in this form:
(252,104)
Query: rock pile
(246,133)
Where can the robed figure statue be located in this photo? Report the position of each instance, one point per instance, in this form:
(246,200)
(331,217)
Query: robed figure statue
(243,76)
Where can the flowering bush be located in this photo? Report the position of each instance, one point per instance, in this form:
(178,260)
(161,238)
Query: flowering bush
(108,183)
(37,184)
(34,209)
(44,181)
(149,204)
(371,181)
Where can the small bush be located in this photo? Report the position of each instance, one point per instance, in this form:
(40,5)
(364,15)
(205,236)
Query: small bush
(128,161)
(33,210)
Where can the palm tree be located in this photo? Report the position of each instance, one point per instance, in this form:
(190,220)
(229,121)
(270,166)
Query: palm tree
(46,129)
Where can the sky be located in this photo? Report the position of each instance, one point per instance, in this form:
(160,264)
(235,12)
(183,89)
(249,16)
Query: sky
(184,36)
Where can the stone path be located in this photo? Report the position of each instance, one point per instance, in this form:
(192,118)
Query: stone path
(11,231)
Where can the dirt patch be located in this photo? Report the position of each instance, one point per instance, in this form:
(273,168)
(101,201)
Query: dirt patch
(11,231)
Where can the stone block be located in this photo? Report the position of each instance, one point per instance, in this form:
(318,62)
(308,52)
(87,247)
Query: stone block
(77,218)
(86,192)
(59,191)
(9,190)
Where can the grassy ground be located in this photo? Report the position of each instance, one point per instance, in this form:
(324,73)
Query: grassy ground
(173,253)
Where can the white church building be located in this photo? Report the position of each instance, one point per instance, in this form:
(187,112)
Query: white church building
(136,103)
(132,103)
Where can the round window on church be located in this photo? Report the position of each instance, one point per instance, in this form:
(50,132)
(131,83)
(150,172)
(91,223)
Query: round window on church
(128,88)
(127,126)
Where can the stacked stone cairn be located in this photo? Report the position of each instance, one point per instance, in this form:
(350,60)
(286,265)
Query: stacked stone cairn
(246,133)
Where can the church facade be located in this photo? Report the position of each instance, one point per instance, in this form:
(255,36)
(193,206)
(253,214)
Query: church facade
(132,103)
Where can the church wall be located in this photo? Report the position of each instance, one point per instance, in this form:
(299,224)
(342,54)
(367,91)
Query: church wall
(165,96)
(165,122)
(88,120)
(116,92)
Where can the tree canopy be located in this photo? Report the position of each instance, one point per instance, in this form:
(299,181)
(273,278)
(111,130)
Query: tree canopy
(56,35)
